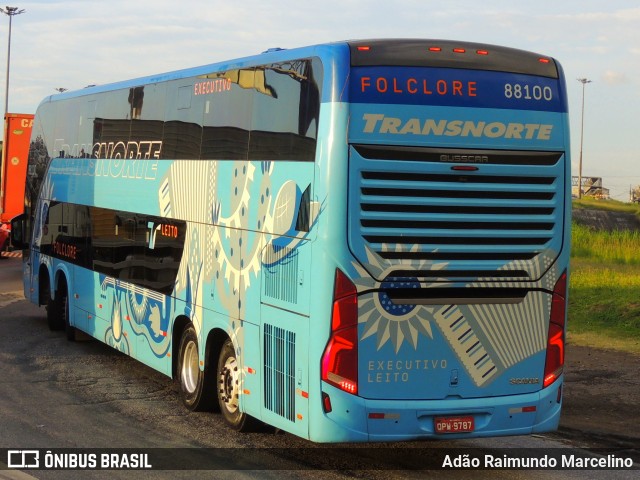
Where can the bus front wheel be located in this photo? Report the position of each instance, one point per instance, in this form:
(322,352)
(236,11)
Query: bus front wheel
(196,388)
(229,385)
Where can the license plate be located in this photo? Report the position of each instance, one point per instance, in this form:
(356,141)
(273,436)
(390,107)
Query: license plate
(454,424)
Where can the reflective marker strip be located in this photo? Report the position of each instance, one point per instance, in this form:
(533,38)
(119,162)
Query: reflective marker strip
(384,416)
(529,409)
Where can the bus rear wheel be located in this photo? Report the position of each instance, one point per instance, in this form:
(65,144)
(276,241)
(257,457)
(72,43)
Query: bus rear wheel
(196,387)
(58,314)
(57,309)
(229,383)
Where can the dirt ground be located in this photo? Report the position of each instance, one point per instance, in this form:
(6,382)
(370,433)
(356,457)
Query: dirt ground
(601,398)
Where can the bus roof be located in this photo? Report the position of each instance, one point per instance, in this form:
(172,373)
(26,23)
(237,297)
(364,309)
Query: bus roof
(450,54)
(389,52)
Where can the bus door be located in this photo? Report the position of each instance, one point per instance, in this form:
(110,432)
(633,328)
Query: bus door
(286,282)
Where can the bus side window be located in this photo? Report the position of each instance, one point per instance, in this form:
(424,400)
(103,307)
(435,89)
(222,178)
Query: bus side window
(163,260)
(52,226)
(226,113)
(285,110)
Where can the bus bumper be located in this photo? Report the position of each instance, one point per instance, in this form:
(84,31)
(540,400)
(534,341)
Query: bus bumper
(355,419)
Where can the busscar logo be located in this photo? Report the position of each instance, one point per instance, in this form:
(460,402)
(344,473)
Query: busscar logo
(23,459)
(524,381)
(464,158)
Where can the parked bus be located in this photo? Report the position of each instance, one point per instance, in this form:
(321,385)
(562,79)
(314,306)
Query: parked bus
(358,241)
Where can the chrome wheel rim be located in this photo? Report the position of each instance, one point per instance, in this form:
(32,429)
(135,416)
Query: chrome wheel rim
(230,385)
(190,369)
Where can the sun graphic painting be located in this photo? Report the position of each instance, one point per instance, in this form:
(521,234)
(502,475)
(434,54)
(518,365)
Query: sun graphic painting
(384,319)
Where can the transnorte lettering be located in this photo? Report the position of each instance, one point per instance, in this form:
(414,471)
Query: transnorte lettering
(380,123)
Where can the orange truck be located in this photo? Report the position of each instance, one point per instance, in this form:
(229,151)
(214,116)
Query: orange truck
(15,153)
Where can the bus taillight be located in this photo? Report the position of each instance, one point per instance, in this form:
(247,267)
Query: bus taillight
(340,358)
(554,364)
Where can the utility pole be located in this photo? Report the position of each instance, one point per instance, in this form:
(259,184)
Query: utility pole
(11,12)
(584,81)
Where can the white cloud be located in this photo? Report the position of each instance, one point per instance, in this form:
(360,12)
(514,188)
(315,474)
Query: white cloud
(614,78)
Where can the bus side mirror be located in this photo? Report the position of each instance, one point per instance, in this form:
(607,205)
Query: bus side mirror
(19,239)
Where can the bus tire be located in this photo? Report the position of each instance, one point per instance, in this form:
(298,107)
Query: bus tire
(57,309)
(229,384)
(196,386)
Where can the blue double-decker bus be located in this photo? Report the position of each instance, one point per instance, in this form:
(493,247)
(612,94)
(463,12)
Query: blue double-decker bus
(357,241)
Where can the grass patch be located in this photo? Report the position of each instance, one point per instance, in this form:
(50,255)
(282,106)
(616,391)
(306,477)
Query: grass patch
(610,205)
(604,287)
(591,339)
(619,247)
(604,305)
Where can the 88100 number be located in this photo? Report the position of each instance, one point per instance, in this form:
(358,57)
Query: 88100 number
(528,92)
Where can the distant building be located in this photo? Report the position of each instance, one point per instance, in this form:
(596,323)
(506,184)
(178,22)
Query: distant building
(591,187)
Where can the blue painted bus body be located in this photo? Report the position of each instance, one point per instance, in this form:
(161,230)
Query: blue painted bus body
(440,193)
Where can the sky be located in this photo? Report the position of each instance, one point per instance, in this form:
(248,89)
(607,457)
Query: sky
(72,44)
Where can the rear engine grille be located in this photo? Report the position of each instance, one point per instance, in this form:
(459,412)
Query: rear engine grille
(492,223)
